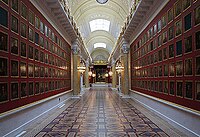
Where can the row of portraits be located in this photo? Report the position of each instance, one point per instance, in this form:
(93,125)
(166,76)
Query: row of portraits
(168,69)
(24,89)
(23,28)
(29,70)
(177,49)
(14,46)
(33,53)
(178,88)
(174,30)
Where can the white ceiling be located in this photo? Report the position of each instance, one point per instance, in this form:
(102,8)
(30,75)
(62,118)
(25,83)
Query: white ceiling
(85,11)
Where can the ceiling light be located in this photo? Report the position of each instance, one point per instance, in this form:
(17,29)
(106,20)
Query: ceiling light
(102,1)
(99,24)
(99,45)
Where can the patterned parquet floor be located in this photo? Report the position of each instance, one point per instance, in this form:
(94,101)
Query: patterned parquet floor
(101,113)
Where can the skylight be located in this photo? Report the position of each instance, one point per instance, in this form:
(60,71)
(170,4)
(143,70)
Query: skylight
(99,24)
(99,45)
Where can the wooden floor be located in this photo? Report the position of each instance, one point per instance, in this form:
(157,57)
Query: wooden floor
(101,113)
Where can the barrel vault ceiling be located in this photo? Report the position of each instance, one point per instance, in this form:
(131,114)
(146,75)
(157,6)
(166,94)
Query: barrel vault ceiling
(114,12)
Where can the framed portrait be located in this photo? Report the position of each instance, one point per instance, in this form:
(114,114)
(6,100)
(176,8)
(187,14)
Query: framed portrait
(41,71)
(46,86)
(188,89)
(36,38)
(188,21)
(5,1)
(152,85)
(171,69)
(23,49)
(46,31)
(42,27)
(156,57)
(37,22)
(30,70)
(178,8)
(156,85)
(14,5)
(30,88)
(14,45)
(170,15)
(14,68)
(160,71)
(197,39)
(166,70)
(46,58)
(23,69)
(178,27)
(3,41)
(37,90)
(179,68)
(23,29)
(164,37)
(165,88)
(198,90)
(23,89)
(171,88)
(154,43)
(30,34)
(14,24)
(46,46)
(160,55)
(155,29)
(155,72)
(4,17)
(31,17)
(179,48)
(41,41)
(36,71)
(165,55)
(42,56)
(30,52)
(14,91)
(36,54)
(197,15)
(188,67)
(159,25)
(46,72)
(160,86)
(3,92)
(164,20)
(159,40)
(3,67)
(171,50)
(53,36)
(24,10)
(186,4)
(171,32)
(197,65)
(42,87)
(188,44)
(179,88)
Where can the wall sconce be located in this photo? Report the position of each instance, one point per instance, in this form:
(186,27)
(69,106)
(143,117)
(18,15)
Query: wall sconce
(106,75)
(90,73)
(119,68)
(93,75)
(81,68)
(110,73)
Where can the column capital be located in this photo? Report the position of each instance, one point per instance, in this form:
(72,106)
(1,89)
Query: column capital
(125,47)
(75,47)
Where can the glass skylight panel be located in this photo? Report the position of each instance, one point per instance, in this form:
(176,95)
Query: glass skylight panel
(99,24)
(99,45)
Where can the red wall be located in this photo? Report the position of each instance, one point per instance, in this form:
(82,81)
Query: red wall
(155,70)
(50,62)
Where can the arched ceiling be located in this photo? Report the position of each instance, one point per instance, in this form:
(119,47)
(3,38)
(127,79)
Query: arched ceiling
(85,11)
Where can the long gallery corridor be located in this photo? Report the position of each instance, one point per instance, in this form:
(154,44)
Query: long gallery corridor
(99,113)
(99,68)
